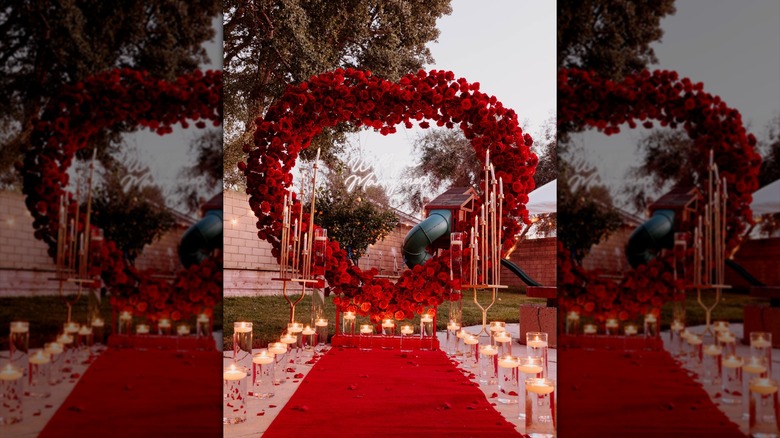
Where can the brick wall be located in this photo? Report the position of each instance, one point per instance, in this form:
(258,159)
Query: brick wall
(25,267)
(609,255)
(537,258)
(761,258)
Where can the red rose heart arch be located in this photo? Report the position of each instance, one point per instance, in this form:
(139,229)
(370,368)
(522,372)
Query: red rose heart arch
(359,98)
(129,99)
(586,100)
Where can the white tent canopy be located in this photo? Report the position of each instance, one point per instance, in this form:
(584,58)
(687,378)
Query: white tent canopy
(543,199)
(766,200)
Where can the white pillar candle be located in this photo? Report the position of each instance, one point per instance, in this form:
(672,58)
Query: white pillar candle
(289,338)
(349,315)
(630,330)
(488,350)
(142,329)
(243,327)
(40,358)
(589,329)
(388,323)
(20,327)
(502,337)
(277,348)
(203,318)
(233,373)
(754,366)
(407,330)
(164,323)
(760,343)
(612,323)
(677,326)
(539,386)
(125,315)
(763,386)
(528,367)
(85,330)
(536,343)
(264,357)
(732,362)
(65,339)
(98,322)
(366,329)
(183,330)
(54,348)
(574,316)
(307,331)
(712,350)
(650,318)
(425,317)
(471,340)
(71,327)
(694,339)
(295,327)
(508,362)
(10,372)
(453,326)
(321,322)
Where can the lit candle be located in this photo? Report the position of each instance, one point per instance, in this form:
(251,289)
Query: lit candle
(321,322)
(502,337)
(183,330)
(754,366)
(508,361)
(712,350)
(470,340)
(497,326)
(40,358)
(453,326)
(98,322)
(462,334)
(537,342)
(54,348)
(677,326)
(20,327)
(720,326)
(539,386)
(488,350)
(612,323)
(307,331)
(71,327)
(65,339)
(233,373)
(366,329)
(727,338)
(407,330)
(203,318)
(85,330)
(277,348)
(574,316)
(142,329)
(650,318)
(732,362)
(589,329)
(426,317)
(388,323)
(10,372)
(694,339)
(243,327)
(763,386)
(349,315)
(165,323)
(501,186)
(125,315)
(289,338)
(685,334)
(529,367)
(264,357)
(296,327)
(630,330)
(760,342)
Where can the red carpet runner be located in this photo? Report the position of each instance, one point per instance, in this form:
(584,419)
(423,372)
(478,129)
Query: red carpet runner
(132,393)
(617,393)
(384,393)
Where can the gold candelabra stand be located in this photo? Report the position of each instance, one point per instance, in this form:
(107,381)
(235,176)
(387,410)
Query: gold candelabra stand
(485,243)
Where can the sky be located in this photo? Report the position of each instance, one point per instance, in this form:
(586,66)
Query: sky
(732,47)
(507,46)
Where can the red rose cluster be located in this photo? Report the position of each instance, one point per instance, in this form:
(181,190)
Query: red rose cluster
(359,98)
(131,99)
(586,100)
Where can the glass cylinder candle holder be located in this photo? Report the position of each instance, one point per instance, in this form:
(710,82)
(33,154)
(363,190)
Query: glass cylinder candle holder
(183,329)
(630,329)
(728,342)
(366,336)
(590,330)
(427,333)
(348,324)
(496,327)
(263,374)
(764,408)
(319,252)
(291,358)
(711,363)
(761,345)
(85,341)
(142,329)
(508,379)
(54,350)
(471,358)
(296,328)
(685,347)
(309,341)
(461,347)
(753,367)
(321,325)
(538,347)
(540,407)
(203,326)
(453,343)
(695,342)
(407,333)
(98,333)
(651,325)
(674,337)
(488,356)
(388,332)
(279,350)
(572,323)
(242,344)
(456,255)
(19,344)
(11,393)
(529,368)
(503,341)
(164,327)
(612,326)
(125,323)
(731,381)
(234,395)
(66,341)
(38,385)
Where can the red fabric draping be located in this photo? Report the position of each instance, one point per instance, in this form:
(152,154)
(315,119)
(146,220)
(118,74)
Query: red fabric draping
(131,393)
(618,393)
(383,393)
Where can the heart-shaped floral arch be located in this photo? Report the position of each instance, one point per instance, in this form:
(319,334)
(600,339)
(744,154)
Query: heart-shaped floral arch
(128,99)
(359,98)
(586,100)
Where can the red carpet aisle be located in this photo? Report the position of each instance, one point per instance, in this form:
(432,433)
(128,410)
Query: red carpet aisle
(384,393)
(618,393)
(132,393)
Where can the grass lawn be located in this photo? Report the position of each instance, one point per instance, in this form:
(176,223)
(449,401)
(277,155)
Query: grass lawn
(270,315)
(46,315)
(729,309)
